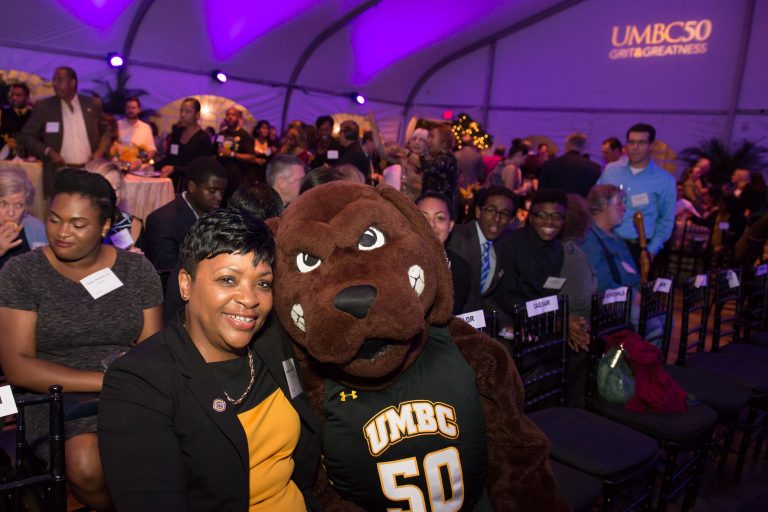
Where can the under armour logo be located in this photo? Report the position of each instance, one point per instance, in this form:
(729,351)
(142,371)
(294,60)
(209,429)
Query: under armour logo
(344,395)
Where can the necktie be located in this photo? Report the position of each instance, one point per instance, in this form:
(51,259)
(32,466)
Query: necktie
(485,265)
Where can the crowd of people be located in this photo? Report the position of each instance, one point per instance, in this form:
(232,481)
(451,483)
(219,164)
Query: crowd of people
(88,281)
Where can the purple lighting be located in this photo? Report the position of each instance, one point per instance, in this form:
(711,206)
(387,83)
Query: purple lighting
(233,24)
(360,99)
(397,28)
(96,13)
(115,60)
(220,76)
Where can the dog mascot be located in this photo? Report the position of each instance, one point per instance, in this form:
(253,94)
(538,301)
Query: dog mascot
(420,411)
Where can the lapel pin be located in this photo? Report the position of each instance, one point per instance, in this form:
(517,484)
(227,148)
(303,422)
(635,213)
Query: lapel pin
(219,405)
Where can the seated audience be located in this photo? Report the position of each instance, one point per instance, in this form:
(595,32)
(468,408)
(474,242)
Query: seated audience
(477,243)
(188,141)
(20,232)
(438,211)
(59,324)
(166,226)
(533,259)
(163,447)
(126,231)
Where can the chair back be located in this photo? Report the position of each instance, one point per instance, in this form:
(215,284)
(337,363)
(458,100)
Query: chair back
(694,317)
(657,304)
(55,480)
(755,303)
(539,349)
(607,317)
(728,302)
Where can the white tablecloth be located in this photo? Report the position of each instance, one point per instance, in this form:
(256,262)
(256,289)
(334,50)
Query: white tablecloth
(142,196)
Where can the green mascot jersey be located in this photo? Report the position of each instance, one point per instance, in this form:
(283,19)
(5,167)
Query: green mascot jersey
(417,445)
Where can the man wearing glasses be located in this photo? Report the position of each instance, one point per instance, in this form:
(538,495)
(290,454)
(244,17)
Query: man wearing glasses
(474,242)
(647,188)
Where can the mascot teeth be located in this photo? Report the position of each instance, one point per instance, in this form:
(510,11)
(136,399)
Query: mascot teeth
(416,277)
(297,314)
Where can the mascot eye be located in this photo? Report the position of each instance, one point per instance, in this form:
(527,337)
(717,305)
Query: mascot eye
(371,239)
(307,262)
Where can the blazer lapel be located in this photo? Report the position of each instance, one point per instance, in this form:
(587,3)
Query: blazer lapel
(199,381)
(91,123)
(273,347)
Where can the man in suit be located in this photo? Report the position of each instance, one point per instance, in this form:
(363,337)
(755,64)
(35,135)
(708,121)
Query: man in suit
(14,116)
(167,225)
(474,242)
(353,154)
(65,129)
(572,173)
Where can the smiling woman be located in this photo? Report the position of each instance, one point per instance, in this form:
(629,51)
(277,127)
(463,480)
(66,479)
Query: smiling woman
(214,399)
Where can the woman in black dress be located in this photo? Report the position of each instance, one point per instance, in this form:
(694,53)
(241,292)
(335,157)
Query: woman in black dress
(188,141)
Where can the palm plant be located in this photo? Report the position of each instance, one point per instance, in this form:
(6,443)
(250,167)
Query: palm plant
(113,98)
(747,155)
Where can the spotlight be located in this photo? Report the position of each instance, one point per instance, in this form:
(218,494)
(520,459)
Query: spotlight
(359,98)
(219,76)
(115,60)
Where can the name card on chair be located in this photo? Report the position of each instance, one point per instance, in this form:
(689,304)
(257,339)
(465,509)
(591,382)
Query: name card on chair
(474,318)
(700,280)
(543,305)
(733,278)
(761,270)
(7,402)
(662,285)
(615,295)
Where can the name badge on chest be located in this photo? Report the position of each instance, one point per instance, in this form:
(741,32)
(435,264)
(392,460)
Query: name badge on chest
(52,127)
(101,282)
(639,200)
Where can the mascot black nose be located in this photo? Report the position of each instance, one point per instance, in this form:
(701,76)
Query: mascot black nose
(355,300)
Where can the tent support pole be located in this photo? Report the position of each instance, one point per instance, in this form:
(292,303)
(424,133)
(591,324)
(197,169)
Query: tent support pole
(488,84)
(738,77)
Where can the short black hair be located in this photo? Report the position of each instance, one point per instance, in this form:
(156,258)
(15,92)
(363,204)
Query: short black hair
(350,130)
(613,142)
(550,195)
(434,194)
(645,128)
(71,72)
(132,98)
(195,102)
(494,191)
(226,231)
(367,135)
(87,184)
(320,121)
(258,198)
(202,168)
(20,85)
(319,176)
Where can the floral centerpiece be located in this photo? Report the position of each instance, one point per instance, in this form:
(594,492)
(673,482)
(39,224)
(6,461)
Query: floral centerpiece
(129,157)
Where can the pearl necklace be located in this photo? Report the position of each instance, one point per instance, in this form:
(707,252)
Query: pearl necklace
(250,384)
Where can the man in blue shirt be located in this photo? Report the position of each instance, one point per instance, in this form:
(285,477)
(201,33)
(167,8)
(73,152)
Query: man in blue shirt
(648,189)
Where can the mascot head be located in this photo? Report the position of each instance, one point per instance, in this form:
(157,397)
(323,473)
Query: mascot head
(359,276)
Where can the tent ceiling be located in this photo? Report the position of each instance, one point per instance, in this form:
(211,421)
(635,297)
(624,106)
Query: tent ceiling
(381,52)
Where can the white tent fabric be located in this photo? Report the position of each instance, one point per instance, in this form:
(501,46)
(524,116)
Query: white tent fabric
(520,67)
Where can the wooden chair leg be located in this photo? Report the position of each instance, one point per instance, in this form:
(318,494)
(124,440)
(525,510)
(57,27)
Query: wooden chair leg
(745,440)
(666,480)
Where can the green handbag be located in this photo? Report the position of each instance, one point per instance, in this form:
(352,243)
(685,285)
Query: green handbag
(615,382)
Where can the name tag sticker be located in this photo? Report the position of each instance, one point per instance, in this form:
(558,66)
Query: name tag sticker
(122,239)
(761,270)
(474,318)
(700,280)
(332,154)
(52,127)
(219,138)
(7,402)
(543,305)
(174,149)
(629,268)
(662,285)
(640,200)
(554,283)
(724,226)
(101,283)
(615,295)
(294,385)
(733,279)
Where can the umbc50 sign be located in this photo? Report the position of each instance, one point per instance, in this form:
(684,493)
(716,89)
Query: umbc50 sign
(660,39)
